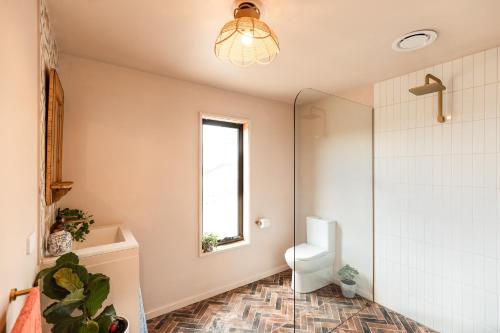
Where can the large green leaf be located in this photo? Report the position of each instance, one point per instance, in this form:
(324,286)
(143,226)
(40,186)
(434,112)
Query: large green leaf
(41,275)
(50,287)
(56,312)
(67,279)
(68,325)
(52,290)
(108,311)
(70,258)
(105,318)
(97,291)
(89,327)
(104,323)
(61,310)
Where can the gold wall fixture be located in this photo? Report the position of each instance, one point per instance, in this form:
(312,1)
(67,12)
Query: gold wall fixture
(429,88)
(14,293)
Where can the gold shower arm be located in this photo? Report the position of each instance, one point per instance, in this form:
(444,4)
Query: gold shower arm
(430,76)
(440,117)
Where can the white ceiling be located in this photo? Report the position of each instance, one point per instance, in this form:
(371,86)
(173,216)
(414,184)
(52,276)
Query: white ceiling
(331,45)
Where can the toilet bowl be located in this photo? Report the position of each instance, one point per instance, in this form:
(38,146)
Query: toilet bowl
(312,262)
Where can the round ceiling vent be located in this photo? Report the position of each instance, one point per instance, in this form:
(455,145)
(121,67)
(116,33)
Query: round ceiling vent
(414,40)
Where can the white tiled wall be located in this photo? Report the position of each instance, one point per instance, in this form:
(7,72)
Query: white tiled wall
(437,197)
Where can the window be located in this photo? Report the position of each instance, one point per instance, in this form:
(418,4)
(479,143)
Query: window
(222,180)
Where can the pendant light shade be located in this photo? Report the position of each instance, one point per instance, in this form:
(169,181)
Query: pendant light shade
(246,40)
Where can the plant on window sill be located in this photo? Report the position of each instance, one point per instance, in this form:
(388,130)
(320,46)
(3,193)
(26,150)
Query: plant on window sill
(209,242)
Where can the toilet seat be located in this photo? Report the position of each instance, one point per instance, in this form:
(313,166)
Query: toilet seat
(305,252)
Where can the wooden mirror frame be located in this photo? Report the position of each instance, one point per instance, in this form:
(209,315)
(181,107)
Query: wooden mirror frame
(55,188)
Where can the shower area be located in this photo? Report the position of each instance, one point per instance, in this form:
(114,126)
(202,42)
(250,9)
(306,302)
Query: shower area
(333,210)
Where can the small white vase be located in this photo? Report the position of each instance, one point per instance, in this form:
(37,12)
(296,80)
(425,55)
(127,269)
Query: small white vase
(59,242)
(348,289)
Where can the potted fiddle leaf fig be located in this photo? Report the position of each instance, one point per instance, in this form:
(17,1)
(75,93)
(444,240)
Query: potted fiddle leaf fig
(78,296)
(347,275)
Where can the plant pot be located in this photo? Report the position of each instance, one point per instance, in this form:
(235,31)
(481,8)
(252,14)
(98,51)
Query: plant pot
(122,326)
(59,242)
(348,288)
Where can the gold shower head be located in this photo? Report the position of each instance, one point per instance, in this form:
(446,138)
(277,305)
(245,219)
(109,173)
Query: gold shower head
(429,88)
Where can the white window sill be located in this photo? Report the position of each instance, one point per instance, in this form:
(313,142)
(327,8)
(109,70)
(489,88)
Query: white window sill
(224,248)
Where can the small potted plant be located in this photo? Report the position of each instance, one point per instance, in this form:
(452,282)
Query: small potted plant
(76,291)
(71,225)
(76,222)
(209,241)
(347,275)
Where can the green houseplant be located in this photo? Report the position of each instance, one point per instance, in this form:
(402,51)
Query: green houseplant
(347,275)
(75,221)
(71,225)
(209,241)
(78,297)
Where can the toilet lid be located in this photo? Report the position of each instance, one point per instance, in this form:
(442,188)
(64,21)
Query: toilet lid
(306,252)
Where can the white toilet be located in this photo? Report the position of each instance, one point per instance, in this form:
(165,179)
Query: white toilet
(312,262)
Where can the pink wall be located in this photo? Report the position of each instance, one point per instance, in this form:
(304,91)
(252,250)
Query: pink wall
(132,147)
(363,94)
(19,147)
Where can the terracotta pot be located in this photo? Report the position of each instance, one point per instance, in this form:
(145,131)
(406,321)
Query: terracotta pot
(59,242)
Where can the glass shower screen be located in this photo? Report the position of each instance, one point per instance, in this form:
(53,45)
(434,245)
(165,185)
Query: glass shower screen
(333,210)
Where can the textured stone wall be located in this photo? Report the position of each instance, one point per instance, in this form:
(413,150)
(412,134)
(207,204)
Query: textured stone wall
(48,59)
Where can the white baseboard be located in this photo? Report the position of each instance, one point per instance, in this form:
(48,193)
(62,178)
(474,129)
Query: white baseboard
(196,298)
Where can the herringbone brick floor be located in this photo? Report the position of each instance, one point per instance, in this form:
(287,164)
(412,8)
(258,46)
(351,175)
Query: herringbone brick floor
(268,305)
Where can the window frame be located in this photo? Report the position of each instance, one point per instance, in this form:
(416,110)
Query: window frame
(240,127)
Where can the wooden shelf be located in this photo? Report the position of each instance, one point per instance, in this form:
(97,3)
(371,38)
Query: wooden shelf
(60,189)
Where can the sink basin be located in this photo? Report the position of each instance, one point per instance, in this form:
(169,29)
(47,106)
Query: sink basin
(100,236)
(101,240)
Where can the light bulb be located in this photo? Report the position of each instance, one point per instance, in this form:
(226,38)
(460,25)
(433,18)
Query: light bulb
(246,38)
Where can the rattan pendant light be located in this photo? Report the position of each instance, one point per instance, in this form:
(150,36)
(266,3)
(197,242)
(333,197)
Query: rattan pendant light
(246,39)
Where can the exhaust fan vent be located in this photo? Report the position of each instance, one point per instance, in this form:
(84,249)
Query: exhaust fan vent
(414,40)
